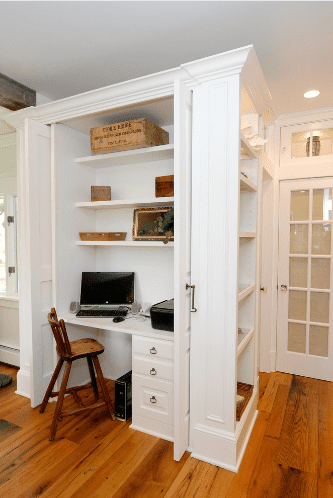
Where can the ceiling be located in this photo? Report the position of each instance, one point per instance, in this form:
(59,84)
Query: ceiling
(61,48)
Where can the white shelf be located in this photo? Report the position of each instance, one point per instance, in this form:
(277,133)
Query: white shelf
(243,339)
(247,235)
(151,202)
(246,185)
(244,290)
(268,168)
(248,150)
(143,155)
(125,243)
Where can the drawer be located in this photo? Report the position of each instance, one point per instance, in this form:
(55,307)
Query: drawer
(155,348)
(152,399)
(157,369)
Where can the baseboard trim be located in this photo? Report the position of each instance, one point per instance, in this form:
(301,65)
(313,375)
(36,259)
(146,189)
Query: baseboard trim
(23,384)
(214,462)
(10,356)
(152,427)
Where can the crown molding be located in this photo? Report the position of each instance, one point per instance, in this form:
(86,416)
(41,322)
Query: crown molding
(241,61)
(219,65)
(147,88)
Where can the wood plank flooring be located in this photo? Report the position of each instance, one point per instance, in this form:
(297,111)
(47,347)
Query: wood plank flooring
(289,454)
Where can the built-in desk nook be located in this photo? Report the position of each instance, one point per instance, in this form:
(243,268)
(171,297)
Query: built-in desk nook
(152,371)
(215,111)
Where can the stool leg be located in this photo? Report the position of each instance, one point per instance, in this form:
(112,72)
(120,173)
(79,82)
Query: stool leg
(57,411)
(103,386)
(51,385)
(93,377)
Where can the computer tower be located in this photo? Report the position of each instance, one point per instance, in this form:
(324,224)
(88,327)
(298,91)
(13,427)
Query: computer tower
(123,397)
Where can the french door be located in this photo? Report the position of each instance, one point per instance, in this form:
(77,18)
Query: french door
(305,283)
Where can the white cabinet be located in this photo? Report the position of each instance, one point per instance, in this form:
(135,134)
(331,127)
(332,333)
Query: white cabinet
(214,249)
(306,149)
(225,251)
(152,378)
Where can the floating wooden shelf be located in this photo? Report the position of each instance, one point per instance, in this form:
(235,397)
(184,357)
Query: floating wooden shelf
(135,203)
(126,243)
(247,148)
(244,390)
(144,155)
(244,290)
(246,185)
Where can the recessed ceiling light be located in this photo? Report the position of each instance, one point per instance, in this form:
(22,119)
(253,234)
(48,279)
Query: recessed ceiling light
(311,94)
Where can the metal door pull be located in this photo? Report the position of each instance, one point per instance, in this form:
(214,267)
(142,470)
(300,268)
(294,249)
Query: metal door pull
(153,399)
(194,309)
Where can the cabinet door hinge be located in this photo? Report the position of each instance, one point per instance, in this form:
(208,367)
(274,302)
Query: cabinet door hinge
(10,219)
(11,269)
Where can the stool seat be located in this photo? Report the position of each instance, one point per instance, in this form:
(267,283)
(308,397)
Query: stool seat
(84,347)
(69,352)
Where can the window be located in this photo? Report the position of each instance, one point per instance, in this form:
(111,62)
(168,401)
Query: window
(2,245)
(8,244)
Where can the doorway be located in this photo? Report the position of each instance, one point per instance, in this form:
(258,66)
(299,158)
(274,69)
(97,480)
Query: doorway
(305,306)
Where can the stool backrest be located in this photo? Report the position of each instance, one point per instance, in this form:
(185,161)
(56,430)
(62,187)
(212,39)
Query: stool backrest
(60,334)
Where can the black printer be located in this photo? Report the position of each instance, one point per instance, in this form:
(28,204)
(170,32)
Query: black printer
(162,315)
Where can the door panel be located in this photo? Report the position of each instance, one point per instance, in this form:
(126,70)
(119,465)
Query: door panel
(305,312)
(38,261)
(182,264)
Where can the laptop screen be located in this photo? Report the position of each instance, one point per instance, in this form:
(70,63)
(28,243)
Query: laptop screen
(107,288)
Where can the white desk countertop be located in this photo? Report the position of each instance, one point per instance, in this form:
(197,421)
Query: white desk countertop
(129,326)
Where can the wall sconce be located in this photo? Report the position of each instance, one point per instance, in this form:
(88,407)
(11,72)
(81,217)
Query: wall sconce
(315,146)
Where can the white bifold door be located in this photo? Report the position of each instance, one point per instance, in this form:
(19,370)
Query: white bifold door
(305,312)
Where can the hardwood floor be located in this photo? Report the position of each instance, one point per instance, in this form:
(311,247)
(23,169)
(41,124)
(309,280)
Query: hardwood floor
(289,454)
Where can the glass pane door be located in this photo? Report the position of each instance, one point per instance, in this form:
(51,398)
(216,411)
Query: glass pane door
(305,278)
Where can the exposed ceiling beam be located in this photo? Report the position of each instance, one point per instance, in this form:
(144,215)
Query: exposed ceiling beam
(15,96)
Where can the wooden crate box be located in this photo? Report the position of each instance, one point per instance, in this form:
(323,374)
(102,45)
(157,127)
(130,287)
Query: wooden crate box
(133,134)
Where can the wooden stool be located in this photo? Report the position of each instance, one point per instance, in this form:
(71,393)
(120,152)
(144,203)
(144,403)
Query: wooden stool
(69,352)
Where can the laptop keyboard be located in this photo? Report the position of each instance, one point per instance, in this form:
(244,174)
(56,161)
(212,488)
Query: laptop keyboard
(103,313)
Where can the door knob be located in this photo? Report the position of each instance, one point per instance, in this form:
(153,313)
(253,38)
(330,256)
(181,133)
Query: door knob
(284,288)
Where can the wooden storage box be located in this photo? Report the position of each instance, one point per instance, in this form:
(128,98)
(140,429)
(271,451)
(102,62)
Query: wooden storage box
(164,186)
(100,193)
(103,235)
(133,134)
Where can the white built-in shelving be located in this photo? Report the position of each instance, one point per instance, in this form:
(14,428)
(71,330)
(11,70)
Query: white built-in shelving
(247,149)
(244,290)
(249,179)
(247,235)
(243,338)
(130,203)
(246,185)
(125,243)
(123,158)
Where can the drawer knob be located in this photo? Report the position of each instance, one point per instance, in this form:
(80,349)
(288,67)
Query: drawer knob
(153,351)
(153,371)
(153,399)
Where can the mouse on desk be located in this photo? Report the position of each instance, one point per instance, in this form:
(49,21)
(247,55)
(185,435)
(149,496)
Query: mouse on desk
(118,319)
